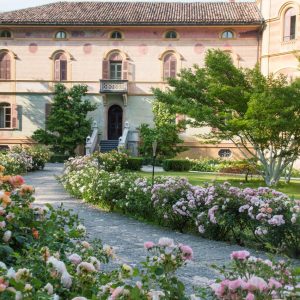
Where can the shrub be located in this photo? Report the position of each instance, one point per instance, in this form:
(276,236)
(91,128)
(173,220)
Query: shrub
(111,161)
(258,217)
(58,158)
(205,165)
(248,277)
(134,163)
(40,156)
(13,163)
(176,165)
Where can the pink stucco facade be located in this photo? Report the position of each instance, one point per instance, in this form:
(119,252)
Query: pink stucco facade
(33,49)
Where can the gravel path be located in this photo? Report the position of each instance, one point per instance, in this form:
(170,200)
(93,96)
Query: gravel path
(127,235)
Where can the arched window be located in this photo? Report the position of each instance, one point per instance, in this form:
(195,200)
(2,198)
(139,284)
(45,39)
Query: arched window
(116,35)
(171,34)
(227,34)
(5,66)
(5,34)
(170,66)
(5,115)
(60,67)
(290,24)
(60,35)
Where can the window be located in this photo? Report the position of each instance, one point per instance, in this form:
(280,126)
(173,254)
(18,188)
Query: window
(170,66)
(116,35)
(225,153)
(5,66)
(5,115)
(5,34)
(115,70)
(171,35)
(289,25)
(60,67)
(227,35)
(60,35)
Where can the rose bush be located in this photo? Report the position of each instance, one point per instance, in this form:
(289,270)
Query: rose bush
(21,160)
(258,217)
(252,278)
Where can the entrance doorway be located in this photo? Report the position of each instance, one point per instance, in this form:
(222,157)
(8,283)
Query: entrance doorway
(114,122)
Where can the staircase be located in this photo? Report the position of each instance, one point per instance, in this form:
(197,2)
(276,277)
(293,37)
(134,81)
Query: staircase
(108,145)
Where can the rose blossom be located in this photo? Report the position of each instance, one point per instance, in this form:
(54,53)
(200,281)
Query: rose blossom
(240,255)
(75,259)
(148,245)
(165,242)
(187,252)
(250,296)
(7,236)
(256,283)
(49,288)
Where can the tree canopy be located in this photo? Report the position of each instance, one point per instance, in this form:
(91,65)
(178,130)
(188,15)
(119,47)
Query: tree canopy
(259,114)
(67,125)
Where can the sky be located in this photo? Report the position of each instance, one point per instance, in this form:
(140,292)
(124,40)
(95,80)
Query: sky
(6,5)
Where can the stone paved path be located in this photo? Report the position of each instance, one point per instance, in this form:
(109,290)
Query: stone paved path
(127,235)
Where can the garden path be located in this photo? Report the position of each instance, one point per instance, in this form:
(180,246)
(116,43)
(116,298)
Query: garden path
(127,235)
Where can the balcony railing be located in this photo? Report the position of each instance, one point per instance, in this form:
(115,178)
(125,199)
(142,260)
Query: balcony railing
(113,86)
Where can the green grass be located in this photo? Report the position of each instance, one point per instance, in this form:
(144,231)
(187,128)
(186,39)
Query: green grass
(292,189)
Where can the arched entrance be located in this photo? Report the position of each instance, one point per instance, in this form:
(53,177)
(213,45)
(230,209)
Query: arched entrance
(114,122)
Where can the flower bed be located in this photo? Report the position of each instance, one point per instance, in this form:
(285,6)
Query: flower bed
(258,217)
(21,160)
(44,255)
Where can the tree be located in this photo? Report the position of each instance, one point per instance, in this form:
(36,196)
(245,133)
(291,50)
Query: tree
(260,115)
(165,132)
(67,126)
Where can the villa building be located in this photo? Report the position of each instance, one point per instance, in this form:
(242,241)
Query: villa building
(120,50)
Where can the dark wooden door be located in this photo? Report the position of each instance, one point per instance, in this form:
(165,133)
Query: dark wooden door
(115,122)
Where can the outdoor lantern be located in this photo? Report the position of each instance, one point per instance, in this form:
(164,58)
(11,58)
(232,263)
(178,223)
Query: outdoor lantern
(154,147)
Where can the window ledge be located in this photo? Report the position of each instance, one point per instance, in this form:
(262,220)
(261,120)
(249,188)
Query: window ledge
(290,42)
(8,129)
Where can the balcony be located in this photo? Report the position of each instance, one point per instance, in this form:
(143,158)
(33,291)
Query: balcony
(112,86)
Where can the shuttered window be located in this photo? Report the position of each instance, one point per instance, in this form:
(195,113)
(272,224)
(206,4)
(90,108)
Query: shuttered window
(170,66)
(5,115)
(5,66)
(60,67)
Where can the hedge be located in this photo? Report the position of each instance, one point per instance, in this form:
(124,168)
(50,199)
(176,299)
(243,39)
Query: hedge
(176,165)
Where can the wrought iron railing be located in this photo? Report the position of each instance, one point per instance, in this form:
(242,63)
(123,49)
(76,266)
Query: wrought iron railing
(113,86)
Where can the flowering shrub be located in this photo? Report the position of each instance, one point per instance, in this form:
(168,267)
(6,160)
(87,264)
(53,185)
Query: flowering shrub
(250,278)
(20,160)
(111,161)
(261,217)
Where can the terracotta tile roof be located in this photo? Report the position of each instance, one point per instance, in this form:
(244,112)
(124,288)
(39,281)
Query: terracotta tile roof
(135,13)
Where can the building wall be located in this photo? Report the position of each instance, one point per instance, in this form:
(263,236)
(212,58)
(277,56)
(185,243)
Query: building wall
(32,52)
(278,55)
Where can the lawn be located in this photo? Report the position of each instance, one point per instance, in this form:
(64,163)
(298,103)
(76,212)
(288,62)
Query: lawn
(292,189)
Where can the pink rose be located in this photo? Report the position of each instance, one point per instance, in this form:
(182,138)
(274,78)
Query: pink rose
(235,284)
(187,252)
(256,283)
(250,296)
(273,283)
(240,255)
(149,245)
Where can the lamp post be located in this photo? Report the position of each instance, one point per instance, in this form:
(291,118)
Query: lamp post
(154,147)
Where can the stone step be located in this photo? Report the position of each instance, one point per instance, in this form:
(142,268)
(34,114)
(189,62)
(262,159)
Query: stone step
(108,145)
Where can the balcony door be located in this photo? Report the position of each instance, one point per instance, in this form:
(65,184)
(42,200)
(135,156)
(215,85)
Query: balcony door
(115,70)
(115,122)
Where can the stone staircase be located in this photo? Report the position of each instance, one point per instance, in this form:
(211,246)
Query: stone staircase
(108,145)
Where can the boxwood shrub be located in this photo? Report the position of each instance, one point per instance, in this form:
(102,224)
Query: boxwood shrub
(176,165)
(134,163)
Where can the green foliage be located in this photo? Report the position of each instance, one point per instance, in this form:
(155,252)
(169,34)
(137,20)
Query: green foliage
(261,115)
(58,158)
(176,165)
(165,132)
(111,161)
(67,125)
(134,163)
